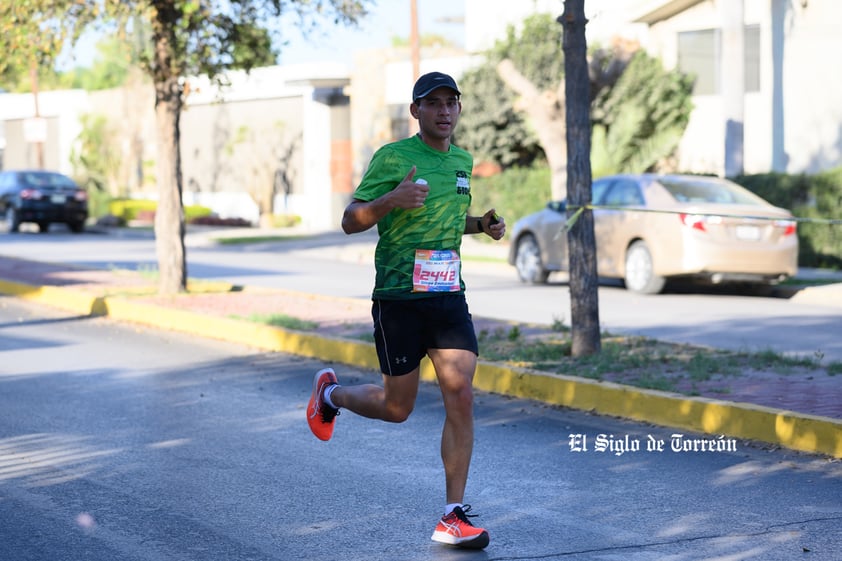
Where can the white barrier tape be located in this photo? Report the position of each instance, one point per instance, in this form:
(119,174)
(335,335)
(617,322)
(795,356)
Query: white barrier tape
(571,221)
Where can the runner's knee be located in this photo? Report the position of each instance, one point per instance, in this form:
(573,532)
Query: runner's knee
(398,412)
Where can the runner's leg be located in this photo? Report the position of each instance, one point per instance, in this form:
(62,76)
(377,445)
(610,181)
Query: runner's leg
(393,402)
(455,372)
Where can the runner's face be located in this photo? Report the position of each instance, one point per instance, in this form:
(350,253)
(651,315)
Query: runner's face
(437,114)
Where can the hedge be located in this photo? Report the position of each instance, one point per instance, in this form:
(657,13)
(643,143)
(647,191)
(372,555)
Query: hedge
(130,209)
(817,196)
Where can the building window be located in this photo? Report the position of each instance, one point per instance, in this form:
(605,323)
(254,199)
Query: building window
(700,55)
(751,38)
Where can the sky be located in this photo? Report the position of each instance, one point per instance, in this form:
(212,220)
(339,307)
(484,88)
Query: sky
(387,19)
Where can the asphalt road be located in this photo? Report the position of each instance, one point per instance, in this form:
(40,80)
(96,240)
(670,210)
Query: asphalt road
(339,265)
(123,443)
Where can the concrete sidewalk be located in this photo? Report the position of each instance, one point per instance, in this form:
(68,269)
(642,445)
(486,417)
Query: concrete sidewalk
(130,297)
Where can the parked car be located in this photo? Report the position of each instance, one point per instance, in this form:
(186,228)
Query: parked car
(42,197)
(651,228)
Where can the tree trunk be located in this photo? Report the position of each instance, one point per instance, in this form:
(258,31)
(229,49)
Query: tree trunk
(584,300)
(169,216)
(546,114)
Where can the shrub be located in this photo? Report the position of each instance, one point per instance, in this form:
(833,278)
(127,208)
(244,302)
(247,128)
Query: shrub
(128,210)
(816,196)
(194,212)
(285,220)
(514,193)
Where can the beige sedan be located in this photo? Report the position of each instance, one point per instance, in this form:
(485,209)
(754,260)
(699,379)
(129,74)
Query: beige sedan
(651,228)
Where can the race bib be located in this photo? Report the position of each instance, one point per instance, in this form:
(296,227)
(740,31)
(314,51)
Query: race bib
(436,271)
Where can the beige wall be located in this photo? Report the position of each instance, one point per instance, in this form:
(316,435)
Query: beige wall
(238,147)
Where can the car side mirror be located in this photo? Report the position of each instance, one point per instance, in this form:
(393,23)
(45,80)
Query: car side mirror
(557,206)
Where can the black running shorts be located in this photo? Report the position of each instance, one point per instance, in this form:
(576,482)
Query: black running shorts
(405,329)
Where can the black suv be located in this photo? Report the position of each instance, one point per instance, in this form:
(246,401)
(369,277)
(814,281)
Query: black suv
(42,197)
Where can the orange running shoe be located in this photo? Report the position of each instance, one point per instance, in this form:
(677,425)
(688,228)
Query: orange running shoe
(456,529)
(320,415)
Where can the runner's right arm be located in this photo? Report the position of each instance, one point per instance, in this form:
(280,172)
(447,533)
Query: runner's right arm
(361,215)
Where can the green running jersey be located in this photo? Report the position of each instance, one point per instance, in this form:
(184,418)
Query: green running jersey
(438,225)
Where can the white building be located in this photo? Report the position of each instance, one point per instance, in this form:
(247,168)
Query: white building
(768,87)
(765,70)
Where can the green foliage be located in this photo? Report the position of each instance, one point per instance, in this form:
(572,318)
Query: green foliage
(515,192)
(95,157)
(490,126)
(34,33)
(780,189)
(117,54)
(640,119)
(816,196)
(207,38)
(199,37)
(128,210)
(98,202)
(285,220)
(192,212)
(535,51)
(281,320)
(639,111)
(252,47)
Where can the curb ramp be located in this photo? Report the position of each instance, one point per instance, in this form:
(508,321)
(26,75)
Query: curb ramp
(788,429)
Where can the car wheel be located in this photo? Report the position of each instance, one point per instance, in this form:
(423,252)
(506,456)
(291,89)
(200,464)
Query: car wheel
(76,227)
(640,270)
(12,220)
(528,261)
(43,227)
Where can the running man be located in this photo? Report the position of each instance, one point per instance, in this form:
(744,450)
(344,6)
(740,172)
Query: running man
(417,191)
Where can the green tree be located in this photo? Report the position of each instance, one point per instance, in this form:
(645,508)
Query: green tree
(493,127)
(516,102)
(639,118)
(118,54)
(188,38)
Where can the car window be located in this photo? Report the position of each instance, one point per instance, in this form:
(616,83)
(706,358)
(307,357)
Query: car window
(598,189)
(704,190)
(623,192)
(46,180)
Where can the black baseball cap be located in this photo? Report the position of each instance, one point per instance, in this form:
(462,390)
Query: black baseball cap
(431,81)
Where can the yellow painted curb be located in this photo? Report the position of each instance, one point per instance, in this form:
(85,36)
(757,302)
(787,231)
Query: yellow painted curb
(807,433)
(245,332)
(57,297)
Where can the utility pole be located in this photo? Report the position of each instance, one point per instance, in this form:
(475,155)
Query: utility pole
(39,143)
(414,41)
(415,53)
